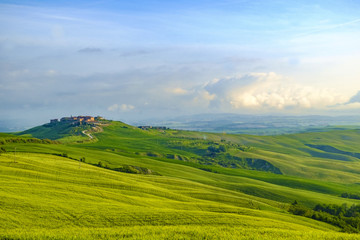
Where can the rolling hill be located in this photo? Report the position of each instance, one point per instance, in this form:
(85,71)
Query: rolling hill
(131,183)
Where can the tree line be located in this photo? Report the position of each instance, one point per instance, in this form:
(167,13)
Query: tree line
(342,216)
(27,140)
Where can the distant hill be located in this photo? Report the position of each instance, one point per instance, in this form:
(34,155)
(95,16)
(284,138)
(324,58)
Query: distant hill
(68,128)
(255,124)
(53,132)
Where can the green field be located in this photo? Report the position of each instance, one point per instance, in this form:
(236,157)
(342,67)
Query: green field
(170,184)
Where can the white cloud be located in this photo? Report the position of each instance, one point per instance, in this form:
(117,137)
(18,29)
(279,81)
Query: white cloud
(202,98)
(51,73)
(122,107)
(113,107)
(271,91)
(126,107)
(177,91)
(207,96)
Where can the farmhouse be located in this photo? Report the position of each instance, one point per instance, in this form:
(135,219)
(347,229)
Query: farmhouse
(151,127)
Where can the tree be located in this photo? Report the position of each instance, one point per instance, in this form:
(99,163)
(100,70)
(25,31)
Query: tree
(2,150)
(212,149)
(222,148)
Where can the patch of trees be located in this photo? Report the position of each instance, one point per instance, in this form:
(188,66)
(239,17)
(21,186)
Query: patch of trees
(2,150)
(177,157)
(153,154)
(65,155)
(344,217)
(27,140)
(245,148)
(124,168)
(100,164)
(230,161)
(62,155)
(212,150)
(208,169)
(350,195)
(128,169)
(135,170)
(262,165)
(218,154)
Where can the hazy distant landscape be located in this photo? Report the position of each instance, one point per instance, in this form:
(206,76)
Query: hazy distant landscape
(230,123)
(255,124)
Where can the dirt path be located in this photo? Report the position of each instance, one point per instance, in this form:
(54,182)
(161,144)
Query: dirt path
(87,134)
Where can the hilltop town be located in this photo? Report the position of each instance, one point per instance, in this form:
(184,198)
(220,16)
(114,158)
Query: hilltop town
(78,120)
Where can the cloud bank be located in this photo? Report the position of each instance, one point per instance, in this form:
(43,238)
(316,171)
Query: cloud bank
(270,91)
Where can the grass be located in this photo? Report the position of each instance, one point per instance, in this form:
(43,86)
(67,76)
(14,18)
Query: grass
(179,232)
(51,197)
(45,196)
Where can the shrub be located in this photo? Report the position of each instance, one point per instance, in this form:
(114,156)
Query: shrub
(350,195)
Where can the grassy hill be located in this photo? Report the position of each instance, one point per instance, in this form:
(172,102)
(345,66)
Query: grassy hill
(160,184)
(48,197)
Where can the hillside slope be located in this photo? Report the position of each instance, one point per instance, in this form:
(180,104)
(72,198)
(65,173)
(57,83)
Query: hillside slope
(45,196)
(194,184)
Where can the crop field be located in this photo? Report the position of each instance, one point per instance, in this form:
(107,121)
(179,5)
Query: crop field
(129,183)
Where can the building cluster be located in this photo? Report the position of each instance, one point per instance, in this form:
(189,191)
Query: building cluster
(78,119)
(151,127)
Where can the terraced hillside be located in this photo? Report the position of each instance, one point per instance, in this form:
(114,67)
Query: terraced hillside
(161,184)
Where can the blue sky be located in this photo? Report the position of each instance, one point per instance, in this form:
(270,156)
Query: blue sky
(140,59)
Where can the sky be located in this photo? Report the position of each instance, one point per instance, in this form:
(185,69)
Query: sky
(131,60)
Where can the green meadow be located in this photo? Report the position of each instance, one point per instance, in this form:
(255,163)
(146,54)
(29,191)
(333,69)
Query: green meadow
(129,183)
